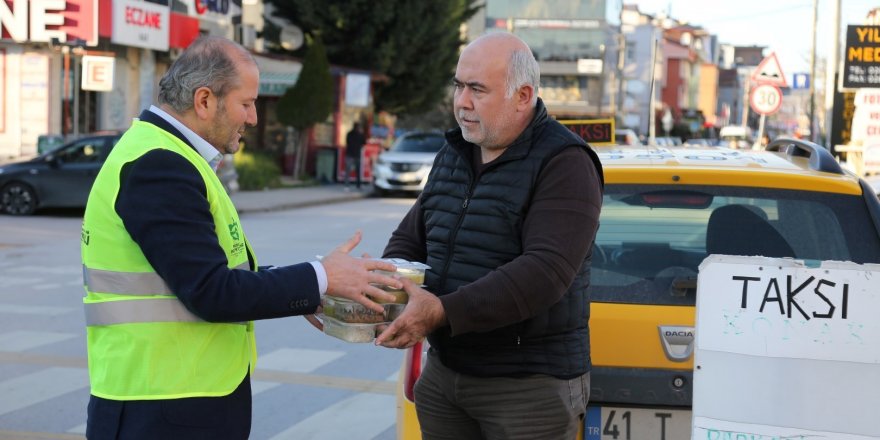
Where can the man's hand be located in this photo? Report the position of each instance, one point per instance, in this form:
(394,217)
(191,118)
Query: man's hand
(423,314)
(351,278)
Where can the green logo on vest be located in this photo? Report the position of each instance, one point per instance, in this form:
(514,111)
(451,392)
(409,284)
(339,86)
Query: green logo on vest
(85,236)
(233,231)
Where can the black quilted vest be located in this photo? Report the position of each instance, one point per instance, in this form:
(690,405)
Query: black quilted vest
(474,227)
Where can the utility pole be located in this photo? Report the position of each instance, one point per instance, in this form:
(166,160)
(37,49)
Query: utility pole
(66,123)
(813,130)
(601,82)
(745,101)
(621,58)
(652,106)
(831,73)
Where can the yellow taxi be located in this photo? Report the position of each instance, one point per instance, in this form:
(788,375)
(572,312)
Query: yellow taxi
(665,209)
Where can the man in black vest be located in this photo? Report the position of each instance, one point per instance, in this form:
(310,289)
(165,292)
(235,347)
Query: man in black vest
(506,222)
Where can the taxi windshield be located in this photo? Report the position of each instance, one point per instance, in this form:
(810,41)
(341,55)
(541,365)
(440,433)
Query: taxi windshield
(652,239)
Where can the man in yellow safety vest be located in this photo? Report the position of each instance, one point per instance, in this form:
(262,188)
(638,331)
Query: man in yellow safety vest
(172,284)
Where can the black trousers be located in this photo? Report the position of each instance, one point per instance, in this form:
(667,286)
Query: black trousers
(226,417)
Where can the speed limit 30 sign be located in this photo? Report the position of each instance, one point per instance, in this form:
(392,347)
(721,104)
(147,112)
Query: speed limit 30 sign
(765,99)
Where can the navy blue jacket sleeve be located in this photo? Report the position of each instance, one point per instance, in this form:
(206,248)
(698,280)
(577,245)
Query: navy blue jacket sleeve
(163,205)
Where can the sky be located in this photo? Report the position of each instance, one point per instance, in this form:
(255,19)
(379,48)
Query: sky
(783,26)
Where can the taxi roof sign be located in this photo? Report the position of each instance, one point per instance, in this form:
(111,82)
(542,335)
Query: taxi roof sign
(594,131)
(770,72)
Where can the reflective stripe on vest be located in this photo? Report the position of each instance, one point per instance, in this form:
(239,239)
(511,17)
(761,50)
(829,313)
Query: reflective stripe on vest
(168,309)
(129,283)
(143,310)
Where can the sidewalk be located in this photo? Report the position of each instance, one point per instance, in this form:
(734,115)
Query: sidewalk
(299,197)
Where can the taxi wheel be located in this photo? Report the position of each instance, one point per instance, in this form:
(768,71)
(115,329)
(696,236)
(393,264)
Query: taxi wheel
(18,198)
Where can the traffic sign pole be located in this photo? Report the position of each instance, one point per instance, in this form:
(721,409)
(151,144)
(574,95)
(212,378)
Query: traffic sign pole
(760,135)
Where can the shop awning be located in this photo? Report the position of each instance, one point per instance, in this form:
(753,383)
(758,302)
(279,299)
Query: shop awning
(276,75)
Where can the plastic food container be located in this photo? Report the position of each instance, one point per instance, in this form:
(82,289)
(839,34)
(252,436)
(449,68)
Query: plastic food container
(400,296)
(410,269)
(349,311)
(392,311)
(349,332)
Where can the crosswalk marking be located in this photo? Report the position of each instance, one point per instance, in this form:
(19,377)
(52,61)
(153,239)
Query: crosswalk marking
(368,413)
(297,360)
(78,429)
(37,310)
(259,386)
(54,270)
(22,340)
(9,281)
(393,377)
(23,391)
(365,416)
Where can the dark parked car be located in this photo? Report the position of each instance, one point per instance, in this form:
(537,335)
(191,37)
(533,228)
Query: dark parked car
(62,177)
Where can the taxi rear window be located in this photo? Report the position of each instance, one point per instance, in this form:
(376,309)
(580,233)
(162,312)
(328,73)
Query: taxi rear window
(652,238)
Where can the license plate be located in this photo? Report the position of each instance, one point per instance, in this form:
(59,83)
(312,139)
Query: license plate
(606,422)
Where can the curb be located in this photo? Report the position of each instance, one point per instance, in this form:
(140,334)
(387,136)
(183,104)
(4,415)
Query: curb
(301,204)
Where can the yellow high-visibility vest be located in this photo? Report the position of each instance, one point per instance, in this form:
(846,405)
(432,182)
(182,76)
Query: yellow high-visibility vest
(143,343)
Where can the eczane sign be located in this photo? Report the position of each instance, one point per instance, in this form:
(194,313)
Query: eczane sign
(140,24)
(785,350)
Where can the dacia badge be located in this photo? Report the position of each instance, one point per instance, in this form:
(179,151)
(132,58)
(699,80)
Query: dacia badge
(677,342)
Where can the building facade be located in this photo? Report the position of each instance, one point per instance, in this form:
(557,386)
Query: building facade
(102,70)
(573,44)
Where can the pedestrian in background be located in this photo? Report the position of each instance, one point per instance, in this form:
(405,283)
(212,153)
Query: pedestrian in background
(506,222)
(354,142)
(172,283)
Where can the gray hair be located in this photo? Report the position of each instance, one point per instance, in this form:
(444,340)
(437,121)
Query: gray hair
(210,62)
(523,70)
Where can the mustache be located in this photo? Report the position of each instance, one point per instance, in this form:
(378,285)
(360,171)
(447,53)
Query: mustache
(465,115)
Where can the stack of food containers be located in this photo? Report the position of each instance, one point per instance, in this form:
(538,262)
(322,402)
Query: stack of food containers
(353,322)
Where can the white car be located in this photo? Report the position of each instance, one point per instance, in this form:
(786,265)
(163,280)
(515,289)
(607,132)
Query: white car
(405,166)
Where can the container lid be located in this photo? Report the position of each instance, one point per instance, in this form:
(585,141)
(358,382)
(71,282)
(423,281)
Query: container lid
(404,264)
(399,262)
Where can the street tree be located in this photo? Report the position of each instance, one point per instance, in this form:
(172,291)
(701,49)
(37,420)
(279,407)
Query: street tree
(414,44)
(309,101)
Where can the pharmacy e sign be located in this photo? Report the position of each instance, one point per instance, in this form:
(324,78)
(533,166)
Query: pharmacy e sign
(786,349)
(97,73)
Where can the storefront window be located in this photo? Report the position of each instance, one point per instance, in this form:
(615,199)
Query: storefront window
(563,89)
(556,30)
(573,9)
(562,44)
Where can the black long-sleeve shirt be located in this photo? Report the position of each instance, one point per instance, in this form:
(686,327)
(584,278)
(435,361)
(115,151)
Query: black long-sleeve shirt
(566,201)
(163,204)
